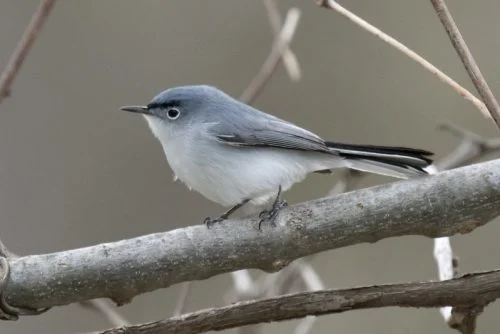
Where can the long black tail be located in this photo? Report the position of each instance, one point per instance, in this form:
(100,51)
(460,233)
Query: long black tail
(399,162)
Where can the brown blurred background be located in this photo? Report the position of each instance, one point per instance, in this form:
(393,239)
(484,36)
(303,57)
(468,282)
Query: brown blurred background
(75,171)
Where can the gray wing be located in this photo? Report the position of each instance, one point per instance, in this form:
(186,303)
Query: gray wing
(271,132)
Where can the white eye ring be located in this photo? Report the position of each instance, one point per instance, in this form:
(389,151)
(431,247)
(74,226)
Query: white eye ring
(173,113)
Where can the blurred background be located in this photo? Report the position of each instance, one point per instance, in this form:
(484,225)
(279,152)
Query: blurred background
(75,171)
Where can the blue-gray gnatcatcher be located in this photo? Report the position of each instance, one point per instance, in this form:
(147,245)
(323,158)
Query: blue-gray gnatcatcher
(236,155)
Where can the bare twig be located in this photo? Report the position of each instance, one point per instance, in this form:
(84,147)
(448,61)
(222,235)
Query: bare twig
(30,34)
(472,147)
(104,309)
(290,61)
(243,285)
(183,298)
(348,179)
(470,289)
(4,251)
(281,42)
(331,4)
(467,59)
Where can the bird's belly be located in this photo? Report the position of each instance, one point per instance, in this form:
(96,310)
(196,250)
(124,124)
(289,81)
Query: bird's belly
(240,173)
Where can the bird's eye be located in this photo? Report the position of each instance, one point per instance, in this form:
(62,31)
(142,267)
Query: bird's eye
(173,113)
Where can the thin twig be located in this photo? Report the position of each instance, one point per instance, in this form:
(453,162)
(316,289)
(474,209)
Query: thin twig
(290,61)
(4,251)
(467,59)
(242,281)
(282,40)
(108,312)
(30,34)
(408,52)
(183,298)
(472,147)
(348,179)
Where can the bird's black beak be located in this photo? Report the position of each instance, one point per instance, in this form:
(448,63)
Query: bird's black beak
(137,109)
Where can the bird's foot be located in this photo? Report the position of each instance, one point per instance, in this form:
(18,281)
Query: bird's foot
(271,214)
(209,222)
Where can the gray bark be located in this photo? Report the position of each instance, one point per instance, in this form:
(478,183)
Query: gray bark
(465,292)
(452,202)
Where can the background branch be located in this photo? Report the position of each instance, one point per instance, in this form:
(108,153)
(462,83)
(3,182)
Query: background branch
(23,47)
(279,47)
(183,298)
(467,59)
(331,4)
(289,59)
(107,311)
(452,202)
(471,148)
(470,289)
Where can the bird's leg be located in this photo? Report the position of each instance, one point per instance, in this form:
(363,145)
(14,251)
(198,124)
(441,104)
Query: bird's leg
(209,221)
(271,214)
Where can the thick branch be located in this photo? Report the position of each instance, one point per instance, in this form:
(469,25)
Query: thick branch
(465,291)
(451,202)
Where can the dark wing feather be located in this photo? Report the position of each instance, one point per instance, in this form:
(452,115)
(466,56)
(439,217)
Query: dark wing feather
(271,133)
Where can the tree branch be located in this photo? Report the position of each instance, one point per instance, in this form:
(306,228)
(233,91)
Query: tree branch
(279,47)
(467,59)
(470,289)
(104,309)
(183,298)
(472,146)
(451,202)
(331,4)
(23,47)
(289,59)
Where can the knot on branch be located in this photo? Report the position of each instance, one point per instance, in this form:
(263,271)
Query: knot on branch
(7,311)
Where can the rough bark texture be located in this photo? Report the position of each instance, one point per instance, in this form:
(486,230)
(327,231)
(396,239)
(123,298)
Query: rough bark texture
(471,289)
(452,202)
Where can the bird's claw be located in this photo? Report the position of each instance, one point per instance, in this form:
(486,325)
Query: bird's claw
(209,221)
(272,214)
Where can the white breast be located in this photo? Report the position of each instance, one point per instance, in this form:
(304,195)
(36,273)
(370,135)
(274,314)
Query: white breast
(229,175)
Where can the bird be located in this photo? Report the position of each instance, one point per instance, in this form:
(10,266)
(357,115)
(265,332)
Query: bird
(238,156)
